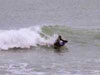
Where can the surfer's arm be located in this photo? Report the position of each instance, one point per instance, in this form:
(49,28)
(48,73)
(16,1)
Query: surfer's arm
(60,38)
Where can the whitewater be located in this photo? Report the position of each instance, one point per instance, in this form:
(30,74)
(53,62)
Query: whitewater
(24,38)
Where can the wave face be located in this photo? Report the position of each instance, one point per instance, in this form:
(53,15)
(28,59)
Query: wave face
(76,36)
(45,35)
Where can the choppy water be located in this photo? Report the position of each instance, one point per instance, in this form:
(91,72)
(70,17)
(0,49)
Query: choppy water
(29,51)
(29,28)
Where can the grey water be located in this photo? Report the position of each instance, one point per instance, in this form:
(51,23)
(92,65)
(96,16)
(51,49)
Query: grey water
(16,14)
(76,20)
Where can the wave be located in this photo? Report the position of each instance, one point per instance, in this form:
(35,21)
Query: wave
(75,36)
(24,38)
(44,35)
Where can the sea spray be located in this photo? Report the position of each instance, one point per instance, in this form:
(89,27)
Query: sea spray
(23,38)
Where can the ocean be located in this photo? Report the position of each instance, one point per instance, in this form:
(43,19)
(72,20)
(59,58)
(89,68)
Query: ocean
(28,29)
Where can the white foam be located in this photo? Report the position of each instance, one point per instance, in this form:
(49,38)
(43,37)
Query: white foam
(23,38)
(22,68)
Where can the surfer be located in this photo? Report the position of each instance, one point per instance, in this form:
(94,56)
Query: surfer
(59,42)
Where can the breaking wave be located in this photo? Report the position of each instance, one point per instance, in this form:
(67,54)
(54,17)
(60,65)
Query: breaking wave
(45,36)
(24,38)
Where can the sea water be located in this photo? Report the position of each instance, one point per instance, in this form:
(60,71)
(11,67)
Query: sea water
(28,29)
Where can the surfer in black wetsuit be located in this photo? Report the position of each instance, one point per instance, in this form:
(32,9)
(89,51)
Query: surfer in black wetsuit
(59,42)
